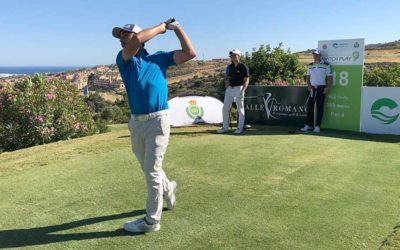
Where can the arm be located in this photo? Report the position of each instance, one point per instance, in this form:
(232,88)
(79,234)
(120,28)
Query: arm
(134,42)
(246,84)
(329,80)
(246,80)
(187,52)
(308,82)
(227,77)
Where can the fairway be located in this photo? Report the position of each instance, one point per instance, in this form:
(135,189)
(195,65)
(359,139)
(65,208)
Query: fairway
(265,189)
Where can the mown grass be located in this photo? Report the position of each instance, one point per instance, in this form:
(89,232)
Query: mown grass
(266,189)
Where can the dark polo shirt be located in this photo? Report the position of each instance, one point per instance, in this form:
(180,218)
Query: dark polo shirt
(237,74)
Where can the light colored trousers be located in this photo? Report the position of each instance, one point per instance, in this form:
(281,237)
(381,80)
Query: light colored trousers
(233,94)
(149,144)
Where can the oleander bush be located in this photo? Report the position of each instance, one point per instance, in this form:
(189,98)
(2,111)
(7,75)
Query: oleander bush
(37,111)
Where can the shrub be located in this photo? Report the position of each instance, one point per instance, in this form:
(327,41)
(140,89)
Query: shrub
(114,114)
(268,65)
(107,111)
(37,111)
(388,76)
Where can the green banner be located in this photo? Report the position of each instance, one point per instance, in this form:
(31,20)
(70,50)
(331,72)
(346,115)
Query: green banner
(343,102)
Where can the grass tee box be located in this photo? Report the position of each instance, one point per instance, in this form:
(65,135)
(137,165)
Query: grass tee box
(264,189)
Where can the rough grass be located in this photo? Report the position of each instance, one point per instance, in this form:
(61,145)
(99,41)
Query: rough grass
(266,189)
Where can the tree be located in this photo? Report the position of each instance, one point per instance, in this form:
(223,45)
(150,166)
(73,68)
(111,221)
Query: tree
(271,65)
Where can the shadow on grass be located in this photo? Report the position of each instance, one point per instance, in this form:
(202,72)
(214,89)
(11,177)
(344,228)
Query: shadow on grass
(393,239)
(46,235)
(281,130)
(360,136)
(194,133)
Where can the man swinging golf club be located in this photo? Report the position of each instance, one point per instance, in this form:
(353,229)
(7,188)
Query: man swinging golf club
(144,77)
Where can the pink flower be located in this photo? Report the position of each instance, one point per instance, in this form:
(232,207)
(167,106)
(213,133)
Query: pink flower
(77,126)
(50,96)
(39,118)
(10,97)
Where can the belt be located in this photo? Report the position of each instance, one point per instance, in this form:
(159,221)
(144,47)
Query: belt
(318,86)
(149,116)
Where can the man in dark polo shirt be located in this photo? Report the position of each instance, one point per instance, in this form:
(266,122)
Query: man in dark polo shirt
(236,82)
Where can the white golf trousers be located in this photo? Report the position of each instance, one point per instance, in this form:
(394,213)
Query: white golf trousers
(233,94)
(149,143)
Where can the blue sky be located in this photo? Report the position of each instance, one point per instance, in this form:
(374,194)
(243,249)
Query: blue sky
(78,32)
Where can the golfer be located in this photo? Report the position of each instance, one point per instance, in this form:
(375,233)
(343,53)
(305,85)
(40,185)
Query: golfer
(144,76)
(319,82)
(236,82)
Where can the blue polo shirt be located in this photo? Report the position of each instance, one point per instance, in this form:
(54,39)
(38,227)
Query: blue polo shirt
(145,80)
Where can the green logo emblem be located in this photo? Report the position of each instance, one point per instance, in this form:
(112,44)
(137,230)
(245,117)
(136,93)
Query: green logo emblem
(384,118)
(194,111)
(356,45)
(356,55)
(335,45)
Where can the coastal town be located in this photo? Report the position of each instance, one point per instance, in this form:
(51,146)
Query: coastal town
(103,77)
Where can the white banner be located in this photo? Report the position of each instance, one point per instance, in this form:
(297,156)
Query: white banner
(380,112)
(191,110)
(343,52)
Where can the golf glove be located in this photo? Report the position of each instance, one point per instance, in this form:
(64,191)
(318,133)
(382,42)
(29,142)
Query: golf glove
(171,24)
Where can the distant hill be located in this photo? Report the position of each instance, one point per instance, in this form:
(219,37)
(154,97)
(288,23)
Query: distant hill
(383,46)
(380,53)
(198,77)
(372,46)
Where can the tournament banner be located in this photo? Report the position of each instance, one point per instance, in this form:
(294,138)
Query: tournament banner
(276,105)
(189,110)
(342,104)
(380,113)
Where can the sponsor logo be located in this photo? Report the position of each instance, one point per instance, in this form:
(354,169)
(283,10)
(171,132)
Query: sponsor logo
(194,111)
(379,110)
(269,102)
(276,110)
(325,46)
(340,45)
(356,45)
(355,55)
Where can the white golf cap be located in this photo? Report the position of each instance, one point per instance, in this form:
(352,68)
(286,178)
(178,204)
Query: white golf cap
(133,28)
(316,51)
(235,51)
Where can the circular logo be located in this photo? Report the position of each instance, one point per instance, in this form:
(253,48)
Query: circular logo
(335,45)
(194,111)
(324,46)
(376,110)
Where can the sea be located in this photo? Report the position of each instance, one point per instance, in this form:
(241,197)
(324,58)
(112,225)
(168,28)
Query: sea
(16,71)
